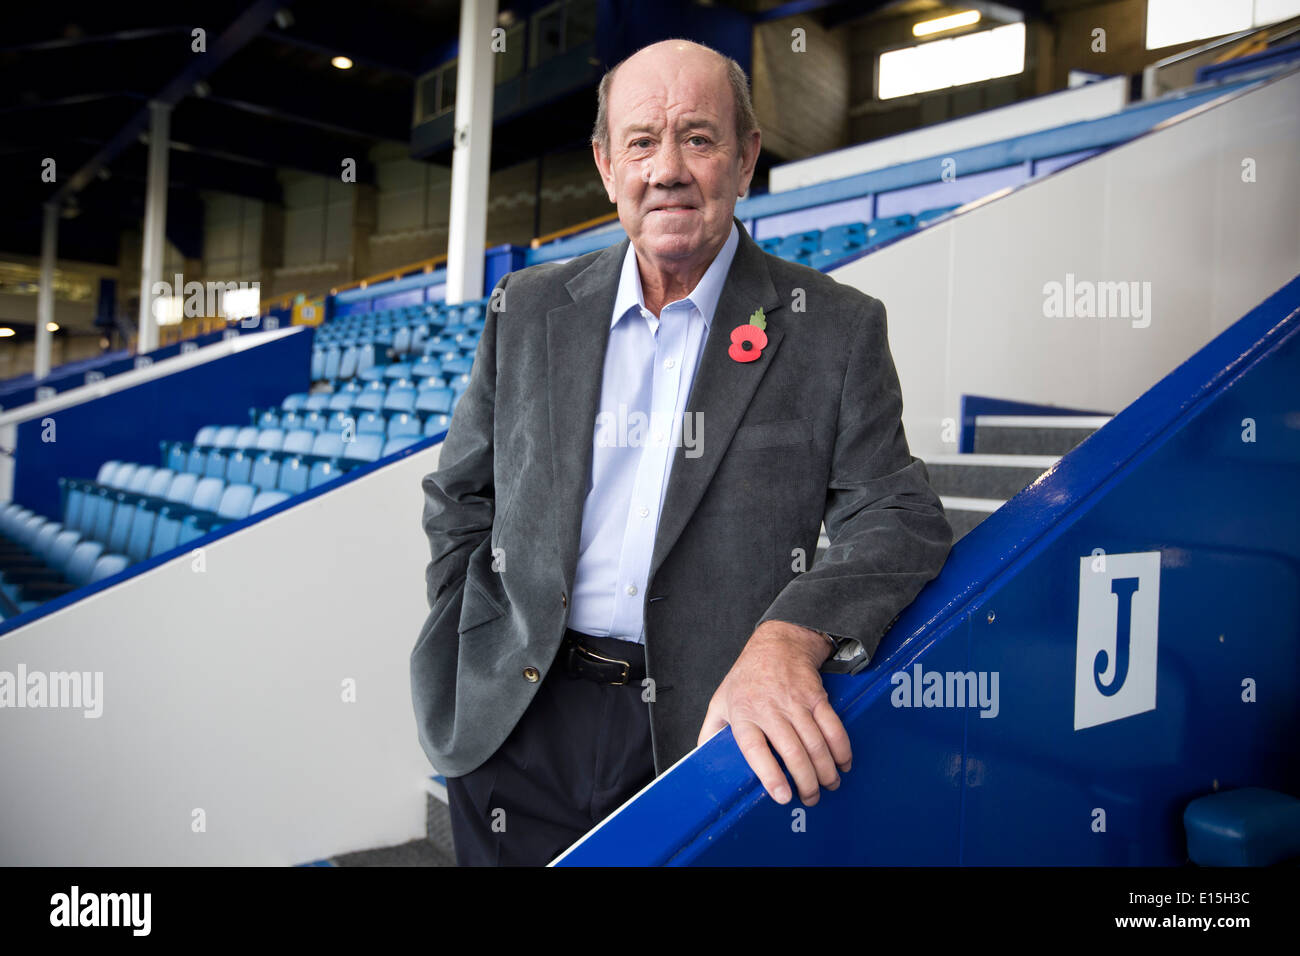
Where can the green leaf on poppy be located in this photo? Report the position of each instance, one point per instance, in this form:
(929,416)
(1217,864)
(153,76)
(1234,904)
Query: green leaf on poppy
(758,319)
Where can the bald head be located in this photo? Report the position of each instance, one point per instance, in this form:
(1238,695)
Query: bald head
(678,58)
(670,151)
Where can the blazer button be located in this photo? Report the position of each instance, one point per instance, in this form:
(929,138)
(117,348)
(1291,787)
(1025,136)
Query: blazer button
(564,599)
(531,675)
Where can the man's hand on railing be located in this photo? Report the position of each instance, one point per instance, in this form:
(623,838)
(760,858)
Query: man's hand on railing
(774,693)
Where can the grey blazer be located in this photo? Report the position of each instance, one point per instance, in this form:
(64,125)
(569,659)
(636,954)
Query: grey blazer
(810,431)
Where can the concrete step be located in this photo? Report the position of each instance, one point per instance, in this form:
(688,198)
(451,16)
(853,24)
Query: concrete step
(985,476)
(1033,434)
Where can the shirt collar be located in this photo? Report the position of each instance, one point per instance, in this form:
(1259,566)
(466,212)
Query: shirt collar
(704,296)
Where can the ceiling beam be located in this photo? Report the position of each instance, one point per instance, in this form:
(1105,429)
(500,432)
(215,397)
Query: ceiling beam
(246,26)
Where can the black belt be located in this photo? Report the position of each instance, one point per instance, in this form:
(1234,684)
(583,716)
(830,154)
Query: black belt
(605,660)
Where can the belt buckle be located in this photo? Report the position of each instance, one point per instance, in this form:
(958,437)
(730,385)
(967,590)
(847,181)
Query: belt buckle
(627,665)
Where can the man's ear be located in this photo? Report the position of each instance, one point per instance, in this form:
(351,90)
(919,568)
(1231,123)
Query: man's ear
(749,160)
(606,171)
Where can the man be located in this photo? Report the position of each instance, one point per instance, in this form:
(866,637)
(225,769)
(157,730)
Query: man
(631,491)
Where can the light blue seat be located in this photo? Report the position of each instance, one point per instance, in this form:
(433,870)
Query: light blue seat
(371,422)
(215,467)
(167,532)
(266,471)
(456,366)
(316,403)
(317,364)
(81,563)
(323,471)
(124,516)
(160,482)
(195,459)
(433,400)
(328,445)
(400,398)
(107,566)
(342,401)
(123,476)
(427,367)
(182,488)
(393,445)
(226,436)
(435,424)
(142,529)
(298,442)
(140,480)
(293,402)
(293,476)
(365,448)
(105,502)
(207,494)
(291,421)
(348,363)
(312,421)
(270,439)
(44,540)
(268,419)
(205,436)
(371,398)
(106,471)
(236,501)
(845,237)
(246,437)
(267,499)
(239,467)
(402,425)
(61,550)
(333,356)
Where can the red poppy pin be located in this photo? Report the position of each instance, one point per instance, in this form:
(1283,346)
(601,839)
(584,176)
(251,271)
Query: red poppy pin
(749,340)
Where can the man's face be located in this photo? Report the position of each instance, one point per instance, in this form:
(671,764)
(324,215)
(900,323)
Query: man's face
(674,166)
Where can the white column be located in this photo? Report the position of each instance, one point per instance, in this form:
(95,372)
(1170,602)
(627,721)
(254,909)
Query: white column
(45,294)
(472,151)
(155,223)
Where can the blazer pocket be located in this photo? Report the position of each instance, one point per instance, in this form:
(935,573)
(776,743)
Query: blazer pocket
(794,431)
(477,606)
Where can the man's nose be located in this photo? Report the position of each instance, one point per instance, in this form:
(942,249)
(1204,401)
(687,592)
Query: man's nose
(670,166)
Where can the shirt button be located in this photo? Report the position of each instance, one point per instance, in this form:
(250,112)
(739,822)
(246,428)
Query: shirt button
(643,512)
(531,675)
(631,589)
(669,363)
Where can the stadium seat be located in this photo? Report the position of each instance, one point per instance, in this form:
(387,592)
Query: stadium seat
(267,499)
(323,471)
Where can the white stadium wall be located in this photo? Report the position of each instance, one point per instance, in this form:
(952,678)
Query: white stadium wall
(224,694)
(965,297)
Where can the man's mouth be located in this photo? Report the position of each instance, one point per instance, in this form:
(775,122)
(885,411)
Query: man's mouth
(673,207)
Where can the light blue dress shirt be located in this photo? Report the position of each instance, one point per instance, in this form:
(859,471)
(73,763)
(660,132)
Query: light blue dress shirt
(650,364)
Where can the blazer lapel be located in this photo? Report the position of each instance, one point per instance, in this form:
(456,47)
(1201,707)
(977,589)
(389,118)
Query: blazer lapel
(576,337)
(722,389)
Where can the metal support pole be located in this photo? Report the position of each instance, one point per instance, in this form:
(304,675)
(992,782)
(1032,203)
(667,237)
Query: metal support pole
(472,151)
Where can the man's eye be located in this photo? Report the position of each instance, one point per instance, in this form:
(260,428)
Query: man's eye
(641,144)
(699,140)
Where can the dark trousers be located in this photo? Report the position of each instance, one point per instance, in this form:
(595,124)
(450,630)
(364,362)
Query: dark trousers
(580,751)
